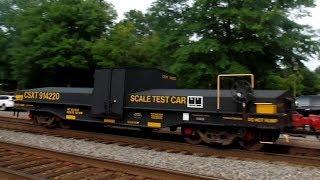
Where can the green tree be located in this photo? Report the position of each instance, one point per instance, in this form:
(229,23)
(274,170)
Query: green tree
(55,37)
(3,56)
(289,82)
(196,40)
(317,74)
(165,19)
(208,37)
(309,81)
(118,49)
(306,81)
(130,44)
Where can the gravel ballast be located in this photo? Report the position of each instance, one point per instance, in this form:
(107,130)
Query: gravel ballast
(209,166)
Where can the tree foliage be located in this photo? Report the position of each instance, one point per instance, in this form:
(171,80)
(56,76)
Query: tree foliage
(126,45)
(65,40)
(234,36)
(50,36)
(317,80)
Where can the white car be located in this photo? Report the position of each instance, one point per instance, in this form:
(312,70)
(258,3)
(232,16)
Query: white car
(6,102)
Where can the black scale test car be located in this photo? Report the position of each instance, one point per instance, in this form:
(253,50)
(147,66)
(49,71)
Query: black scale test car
(148,98)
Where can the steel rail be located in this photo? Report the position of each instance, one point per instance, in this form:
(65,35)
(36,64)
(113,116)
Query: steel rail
(112,165)
(310,158)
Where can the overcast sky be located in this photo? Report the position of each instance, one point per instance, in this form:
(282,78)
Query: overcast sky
(123,6)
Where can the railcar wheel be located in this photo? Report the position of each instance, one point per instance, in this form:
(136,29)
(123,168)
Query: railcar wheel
(34,120)
(191,136)
(50,122)
(64,124)
(251,145)
(250,141)
(147,132)
(194,139)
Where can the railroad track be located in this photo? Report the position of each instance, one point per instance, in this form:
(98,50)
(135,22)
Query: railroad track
(32,163)
(293,155)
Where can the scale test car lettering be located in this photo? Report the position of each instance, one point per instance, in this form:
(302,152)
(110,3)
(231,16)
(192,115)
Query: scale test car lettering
(158,99)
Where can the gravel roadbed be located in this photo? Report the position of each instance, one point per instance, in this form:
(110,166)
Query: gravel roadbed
(23,115)
(209,166)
